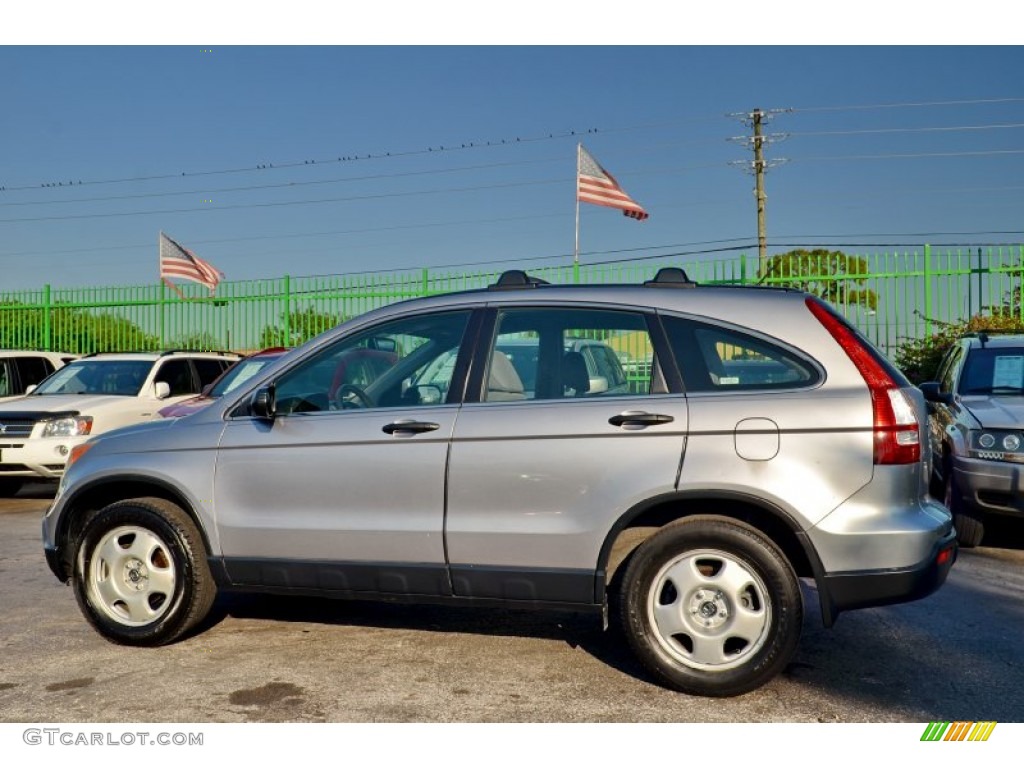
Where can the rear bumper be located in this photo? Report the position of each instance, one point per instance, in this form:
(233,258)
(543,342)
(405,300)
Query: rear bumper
(862,589)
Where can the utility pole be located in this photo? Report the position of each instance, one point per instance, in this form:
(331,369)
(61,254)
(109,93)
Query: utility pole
(756,121)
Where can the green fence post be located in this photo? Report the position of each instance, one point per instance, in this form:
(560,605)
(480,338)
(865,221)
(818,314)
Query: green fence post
(426,282)
(47,309)
(927,290)
(743,269)
(287,311)
(163,312)
(575,272)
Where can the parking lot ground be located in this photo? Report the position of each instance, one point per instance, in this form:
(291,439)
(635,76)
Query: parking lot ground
(954,655)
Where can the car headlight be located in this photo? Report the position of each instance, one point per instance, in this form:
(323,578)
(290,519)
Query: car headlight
(997,444)
(68,426)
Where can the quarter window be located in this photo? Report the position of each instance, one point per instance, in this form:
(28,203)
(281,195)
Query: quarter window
(713,358)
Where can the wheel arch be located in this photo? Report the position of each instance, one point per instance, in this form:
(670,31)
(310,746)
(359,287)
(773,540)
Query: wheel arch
(645,519)
(94,496)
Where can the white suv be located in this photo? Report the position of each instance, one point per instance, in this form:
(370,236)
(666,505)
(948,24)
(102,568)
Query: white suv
(92,395)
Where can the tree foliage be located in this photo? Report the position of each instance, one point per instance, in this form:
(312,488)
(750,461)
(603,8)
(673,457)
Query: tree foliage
(72,330)
(832,275)
(197,340)
(302,326)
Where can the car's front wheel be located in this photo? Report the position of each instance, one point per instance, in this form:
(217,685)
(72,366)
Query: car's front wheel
(711,606)
(970,527)
(141,575)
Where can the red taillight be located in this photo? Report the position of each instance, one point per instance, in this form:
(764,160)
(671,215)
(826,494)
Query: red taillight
(944,556)
(895,423)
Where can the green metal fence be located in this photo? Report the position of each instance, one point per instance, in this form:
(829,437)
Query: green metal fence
(891,297)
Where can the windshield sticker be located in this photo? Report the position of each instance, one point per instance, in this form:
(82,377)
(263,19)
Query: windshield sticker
(1008,372)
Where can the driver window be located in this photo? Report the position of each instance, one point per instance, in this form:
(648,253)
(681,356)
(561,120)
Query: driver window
(407,362)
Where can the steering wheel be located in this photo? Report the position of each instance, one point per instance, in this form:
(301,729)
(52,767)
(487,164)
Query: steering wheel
(362,400)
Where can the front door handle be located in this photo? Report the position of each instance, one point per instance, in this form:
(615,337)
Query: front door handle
(639,418)
(410,425)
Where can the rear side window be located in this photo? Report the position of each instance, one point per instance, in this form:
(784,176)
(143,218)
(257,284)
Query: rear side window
(714,358)
(546,353)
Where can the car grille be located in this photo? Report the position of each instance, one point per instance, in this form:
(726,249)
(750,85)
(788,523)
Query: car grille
(16,427)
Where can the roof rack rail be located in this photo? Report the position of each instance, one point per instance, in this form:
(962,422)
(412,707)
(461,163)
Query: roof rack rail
(513,279)
(223,353)
(671,277)
(158,352)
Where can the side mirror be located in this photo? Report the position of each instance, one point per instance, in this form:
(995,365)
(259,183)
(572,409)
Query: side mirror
(264,403)
(930,390)
(162,390)
(30,389)
(598,385)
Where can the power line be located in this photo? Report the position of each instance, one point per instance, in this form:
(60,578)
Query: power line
(926,129)
(911,104)
(912,155)
(460,146)
(453,147)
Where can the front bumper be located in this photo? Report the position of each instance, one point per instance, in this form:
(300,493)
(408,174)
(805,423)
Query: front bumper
(987,486)
(57,565)
(37,457)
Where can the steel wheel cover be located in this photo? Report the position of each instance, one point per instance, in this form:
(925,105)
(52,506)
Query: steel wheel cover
(131,576)
(709,611)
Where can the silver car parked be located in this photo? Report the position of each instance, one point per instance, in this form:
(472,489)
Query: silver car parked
(763,440)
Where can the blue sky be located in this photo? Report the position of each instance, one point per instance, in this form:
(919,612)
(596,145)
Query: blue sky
(884,146)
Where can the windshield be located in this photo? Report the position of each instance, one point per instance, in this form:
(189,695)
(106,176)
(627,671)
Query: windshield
(993,371)
(239,374)
(97,377)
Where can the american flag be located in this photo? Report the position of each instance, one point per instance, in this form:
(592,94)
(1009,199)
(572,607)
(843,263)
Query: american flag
(595,185)
(176,261)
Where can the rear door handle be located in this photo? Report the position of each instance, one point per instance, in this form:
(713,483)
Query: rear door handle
(410,425)
(639,418)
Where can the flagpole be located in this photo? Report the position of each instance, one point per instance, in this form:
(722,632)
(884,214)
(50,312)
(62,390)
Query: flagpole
(163,282)
(576,251)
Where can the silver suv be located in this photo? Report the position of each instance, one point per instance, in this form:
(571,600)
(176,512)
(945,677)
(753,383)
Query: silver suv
(767,442)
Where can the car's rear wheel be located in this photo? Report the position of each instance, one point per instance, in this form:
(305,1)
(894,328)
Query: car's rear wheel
(141,575)
(711,607)
(970,526)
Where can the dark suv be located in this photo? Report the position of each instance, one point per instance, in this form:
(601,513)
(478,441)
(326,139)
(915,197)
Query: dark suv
(977,425)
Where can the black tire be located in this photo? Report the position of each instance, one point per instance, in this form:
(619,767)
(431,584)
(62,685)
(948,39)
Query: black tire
(141,576)
(711,607)
(9,486)
(970,525)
